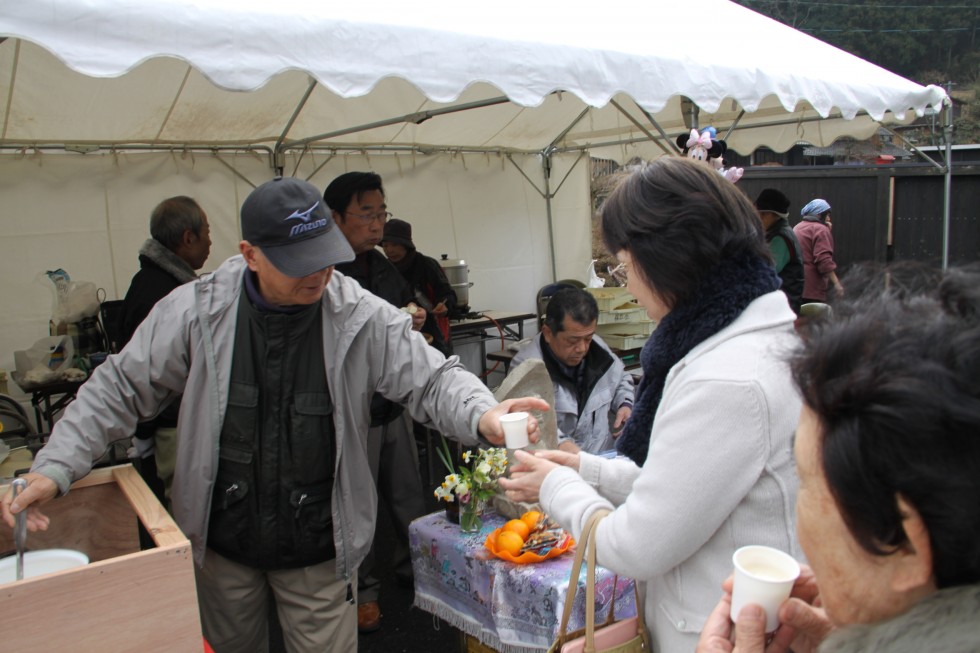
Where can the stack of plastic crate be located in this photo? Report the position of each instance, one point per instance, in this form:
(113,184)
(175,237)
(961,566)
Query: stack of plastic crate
(623,323)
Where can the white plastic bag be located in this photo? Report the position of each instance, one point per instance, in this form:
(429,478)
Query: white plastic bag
(46,361)
(595,281)
(73,300)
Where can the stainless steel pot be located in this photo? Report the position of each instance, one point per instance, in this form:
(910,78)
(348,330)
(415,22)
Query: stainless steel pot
(457,274)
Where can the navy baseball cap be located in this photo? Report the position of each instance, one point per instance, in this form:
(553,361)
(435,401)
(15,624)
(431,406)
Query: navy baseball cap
(289,220)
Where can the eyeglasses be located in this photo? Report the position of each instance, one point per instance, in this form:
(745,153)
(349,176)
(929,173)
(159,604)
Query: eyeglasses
(620,273)
(381,216)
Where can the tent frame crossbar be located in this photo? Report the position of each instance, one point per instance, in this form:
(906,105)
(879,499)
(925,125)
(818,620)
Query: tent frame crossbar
(548,195)
(417,118)
(93,146)
(296,111)
(640,139)
(277,152)
(653,139)
(925,157)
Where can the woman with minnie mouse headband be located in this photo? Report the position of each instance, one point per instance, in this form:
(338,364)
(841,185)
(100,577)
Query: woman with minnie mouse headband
(705,147)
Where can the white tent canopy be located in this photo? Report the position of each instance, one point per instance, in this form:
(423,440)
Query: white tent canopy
(475,115)
(173,72)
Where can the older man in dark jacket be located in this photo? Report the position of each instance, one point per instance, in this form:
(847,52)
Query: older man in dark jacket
(357,203)
(178,246)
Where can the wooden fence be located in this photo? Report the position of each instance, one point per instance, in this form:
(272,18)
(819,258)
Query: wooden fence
(884,213)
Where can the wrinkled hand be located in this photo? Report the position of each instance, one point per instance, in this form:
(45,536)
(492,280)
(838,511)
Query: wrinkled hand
(491,429)
(716,635)
(622,415)
(749,635)
(527,475)
(802,615)
(749,631)
(40,489)
(803,625)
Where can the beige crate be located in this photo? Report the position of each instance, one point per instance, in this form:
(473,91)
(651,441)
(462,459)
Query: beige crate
(626,329)
(625,342)
(610,298)
(628,312)
(124,599)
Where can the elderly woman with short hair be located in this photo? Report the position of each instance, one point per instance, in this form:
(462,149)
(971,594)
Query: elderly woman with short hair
(708,464)
(888,451)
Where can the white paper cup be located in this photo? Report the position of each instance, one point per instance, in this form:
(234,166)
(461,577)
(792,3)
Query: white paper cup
(763,576)
(515,430)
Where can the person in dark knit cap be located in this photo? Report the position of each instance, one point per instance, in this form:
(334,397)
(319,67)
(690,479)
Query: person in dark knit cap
(427,278)
(773,208)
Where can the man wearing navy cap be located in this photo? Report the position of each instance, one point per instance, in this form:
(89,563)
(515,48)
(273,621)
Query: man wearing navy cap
(277,358)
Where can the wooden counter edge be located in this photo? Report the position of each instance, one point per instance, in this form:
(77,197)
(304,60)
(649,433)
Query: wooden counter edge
(157,521)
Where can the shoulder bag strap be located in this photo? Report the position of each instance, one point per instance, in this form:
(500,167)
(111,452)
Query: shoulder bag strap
(590,587)
(580,547)
(790,247)
(590,593)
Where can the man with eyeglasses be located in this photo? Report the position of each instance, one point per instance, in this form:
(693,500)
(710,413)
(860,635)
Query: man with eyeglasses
(357,203)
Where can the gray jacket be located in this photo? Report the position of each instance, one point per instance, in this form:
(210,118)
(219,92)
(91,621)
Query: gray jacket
(185,346)
(945,621)
(592,430)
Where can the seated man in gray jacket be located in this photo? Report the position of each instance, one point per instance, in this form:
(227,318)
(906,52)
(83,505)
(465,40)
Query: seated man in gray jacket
(593,390)
(278,357)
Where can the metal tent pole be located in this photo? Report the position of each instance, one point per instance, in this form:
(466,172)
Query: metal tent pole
(948,178)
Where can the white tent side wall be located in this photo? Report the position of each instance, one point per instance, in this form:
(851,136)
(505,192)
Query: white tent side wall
(89,214)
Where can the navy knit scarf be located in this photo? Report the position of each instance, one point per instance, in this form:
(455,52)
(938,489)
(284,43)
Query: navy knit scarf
(726,291)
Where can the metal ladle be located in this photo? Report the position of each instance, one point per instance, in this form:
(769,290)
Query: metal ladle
(20,527)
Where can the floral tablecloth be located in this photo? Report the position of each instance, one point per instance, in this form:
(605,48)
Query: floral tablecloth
(511,608)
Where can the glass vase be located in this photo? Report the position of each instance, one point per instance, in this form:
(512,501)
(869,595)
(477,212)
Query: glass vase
(452,512)
(471,516)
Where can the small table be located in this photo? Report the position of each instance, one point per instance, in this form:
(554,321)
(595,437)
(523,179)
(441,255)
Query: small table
(511,608)
(504,356)
(472,330)
(48,399)
(487,319)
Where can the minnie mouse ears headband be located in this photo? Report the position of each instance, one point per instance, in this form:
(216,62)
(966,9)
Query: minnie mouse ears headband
(702,146)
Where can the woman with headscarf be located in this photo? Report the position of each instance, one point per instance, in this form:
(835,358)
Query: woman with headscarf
(817,242)
(709,465)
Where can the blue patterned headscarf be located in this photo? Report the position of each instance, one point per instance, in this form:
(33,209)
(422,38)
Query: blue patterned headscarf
(815,207)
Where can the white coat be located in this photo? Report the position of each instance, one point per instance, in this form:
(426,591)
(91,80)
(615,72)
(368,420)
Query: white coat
(720,474)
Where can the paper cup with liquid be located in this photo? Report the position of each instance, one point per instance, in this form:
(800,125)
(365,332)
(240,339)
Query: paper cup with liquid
(763,576)
(515,430)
